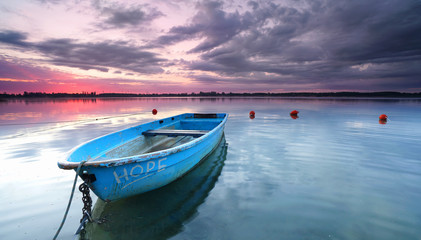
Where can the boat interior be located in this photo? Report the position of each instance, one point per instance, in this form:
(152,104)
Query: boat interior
(160,135)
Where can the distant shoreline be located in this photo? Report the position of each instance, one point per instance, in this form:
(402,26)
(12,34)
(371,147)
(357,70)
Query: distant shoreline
(27,95)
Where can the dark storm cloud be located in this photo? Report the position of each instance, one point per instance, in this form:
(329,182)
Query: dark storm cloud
(119,16)
(371,30)
(114,14)
(129,17)
(13,38)
(99,56)
(313,41)
(253,4)
(211,22)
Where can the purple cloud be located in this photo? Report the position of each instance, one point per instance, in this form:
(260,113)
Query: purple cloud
(99,56)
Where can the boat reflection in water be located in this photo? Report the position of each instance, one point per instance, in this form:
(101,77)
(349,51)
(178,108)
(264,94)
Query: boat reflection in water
(158,214)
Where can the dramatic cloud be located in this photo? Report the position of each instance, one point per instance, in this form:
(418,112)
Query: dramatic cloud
(13,38)
(99,56)
(321,43)
(262,45)
(211,23)
(119,16)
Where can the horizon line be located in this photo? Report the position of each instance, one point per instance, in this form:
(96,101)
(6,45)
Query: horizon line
(214,93)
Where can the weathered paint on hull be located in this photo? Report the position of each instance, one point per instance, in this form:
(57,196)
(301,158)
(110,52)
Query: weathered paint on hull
(139,174)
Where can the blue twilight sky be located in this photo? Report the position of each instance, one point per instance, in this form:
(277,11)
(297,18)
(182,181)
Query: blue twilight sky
(190,46)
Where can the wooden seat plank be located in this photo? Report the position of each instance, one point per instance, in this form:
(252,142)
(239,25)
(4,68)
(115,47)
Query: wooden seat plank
(175,133)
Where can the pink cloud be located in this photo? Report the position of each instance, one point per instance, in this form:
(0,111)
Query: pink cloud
(17,76)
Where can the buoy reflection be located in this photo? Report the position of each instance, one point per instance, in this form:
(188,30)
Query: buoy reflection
(294,112)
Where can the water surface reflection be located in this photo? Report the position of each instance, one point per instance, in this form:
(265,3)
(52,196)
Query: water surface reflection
(332,173)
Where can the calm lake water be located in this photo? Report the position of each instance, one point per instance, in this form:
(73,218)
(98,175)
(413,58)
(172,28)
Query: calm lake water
(332,173)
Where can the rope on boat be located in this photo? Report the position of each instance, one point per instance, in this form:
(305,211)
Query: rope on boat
(70,200)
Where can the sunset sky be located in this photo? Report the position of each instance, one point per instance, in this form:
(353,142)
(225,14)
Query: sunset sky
(172,46)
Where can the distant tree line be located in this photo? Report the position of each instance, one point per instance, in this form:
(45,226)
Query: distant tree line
(212,94)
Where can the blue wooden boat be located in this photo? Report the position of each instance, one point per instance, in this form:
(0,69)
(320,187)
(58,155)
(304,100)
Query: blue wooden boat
(147,156)
(179,199)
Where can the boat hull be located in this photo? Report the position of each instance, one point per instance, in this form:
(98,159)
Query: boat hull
(134,178)
(130,217)
(113,180)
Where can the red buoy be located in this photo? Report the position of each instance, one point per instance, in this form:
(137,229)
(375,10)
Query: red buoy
(294,112)
(383,117)
(252,114)
(154,111)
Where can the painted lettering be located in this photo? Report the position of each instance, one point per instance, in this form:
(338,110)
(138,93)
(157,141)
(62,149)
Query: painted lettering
(161,166)
(117,178)
(140,171)
(150,166)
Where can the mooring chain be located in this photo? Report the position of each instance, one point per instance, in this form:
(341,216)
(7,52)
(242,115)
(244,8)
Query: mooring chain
(87,201)
(70,200)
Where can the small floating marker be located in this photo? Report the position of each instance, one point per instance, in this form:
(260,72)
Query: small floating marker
(154,111)
(252,114)
(383,117)
(294,112)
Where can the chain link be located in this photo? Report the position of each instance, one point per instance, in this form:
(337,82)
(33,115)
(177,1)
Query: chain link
(87,201)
